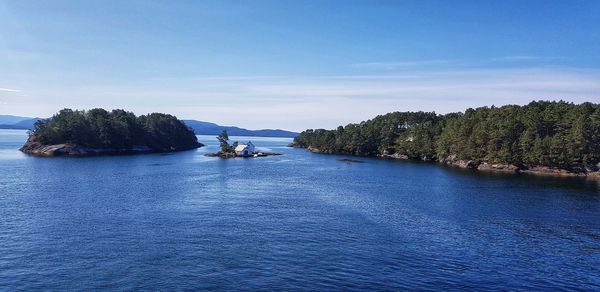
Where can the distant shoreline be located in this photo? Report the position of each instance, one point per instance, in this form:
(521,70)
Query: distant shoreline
(205,128)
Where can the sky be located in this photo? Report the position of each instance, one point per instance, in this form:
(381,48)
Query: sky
(294,64)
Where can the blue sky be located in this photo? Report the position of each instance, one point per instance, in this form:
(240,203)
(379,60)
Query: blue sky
(294,64)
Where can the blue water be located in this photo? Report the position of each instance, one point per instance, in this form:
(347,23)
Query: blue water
(299,221)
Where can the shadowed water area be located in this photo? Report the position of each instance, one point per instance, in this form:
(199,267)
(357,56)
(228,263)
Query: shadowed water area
(295,221)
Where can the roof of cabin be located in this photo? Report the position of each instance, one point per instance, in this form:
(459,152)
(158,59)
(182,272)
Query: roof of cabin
(242,147)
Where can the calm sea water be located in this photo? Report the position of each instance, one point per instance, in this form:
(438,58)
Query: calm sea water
(299,221)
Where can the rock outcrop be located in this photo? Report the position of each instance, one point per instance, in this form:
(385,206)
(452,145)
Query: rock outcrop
(484,166)
(317,150)
(394,156)
(591,172)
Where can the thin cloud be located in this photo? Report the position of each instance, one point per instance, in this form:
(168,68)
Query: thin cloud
(402,65)
(9,90)
(298,102)
(219,78)
(469,83)
(440,64)
(525,58)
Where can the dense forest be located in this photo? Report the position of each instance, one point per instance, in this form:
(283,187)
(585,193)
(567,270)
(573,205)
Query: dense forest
(555,134)
(118,129)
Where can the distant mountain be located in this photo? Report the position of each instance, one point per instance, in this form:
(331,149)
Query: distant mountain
(206,128)
(11,120)
(200,128)
(24,124)
(28,124)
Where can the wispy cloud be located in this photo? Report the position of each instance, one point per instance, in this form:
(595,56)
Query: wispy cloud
(220,78)
(525,58)
(298,102)
(473,84)
(9,90)
(402,65)
(454,63)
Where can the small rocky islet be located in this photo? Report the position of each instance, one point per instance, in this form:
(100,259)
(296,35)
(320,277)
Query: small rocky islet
(236,149)
(227,155)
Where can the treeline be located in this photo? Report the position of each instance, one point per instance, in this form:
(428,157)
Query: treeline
(556,134)
(118,129)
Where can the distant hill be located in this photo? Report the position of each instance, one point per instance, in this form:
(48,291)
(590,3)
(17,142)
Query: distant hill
(24,124)
(11,120)
(27,124)
(206,128)
(200,128)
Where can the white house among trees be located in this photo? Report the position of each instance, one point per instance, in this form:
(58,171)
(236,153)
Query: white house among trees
(244,149)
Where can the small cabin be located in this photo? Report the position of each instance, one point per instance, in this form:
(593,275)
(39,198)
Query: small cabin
(245,149)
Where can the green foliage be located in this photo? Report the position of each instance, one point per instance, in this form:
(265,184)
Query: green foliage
(224,142)
(117,129)
(557,134)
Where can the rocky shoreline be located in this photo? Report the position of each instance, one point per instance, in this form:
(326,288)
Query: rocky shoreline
(479,165)
(539,170)
(38,149)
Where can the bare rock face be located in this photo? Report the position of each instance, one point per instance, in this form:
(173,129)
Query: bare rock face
(38,149)
(498,167)
(394,156)
(551,171)
(448,160)
(453,161)
(470,164)
(314,149)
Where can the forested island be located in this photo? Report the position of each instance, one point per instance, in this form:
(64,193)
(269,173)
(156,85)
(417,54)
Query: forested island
(100,132)
(555,138)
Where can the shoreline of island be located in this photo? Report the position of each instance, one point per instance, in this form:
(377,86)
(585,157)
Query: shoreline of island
(41,150)
(478,165)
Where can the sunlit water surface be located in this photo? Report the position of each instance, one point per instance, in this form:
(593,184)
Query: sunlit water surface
(296,221)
